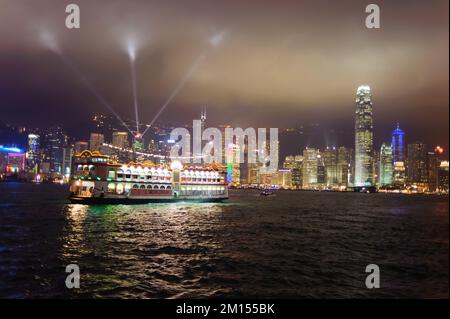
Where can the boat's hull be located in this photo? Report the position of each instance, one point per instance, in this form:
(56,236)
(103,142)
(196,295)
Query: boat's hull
(134,201)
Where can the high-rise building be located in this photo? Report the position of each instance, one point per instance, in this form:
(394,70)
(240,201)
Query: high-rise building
(433,162)
(297,176)
(33,152)
(432,169)
(284,178)
(53,142)
(321,173)
(138,143)
(295,165)
(416,166)
(67,161)
(120,139)
(95,141)
(443,173)
(399,173)
(247,173)
(289,162)
(343,166)
(233,163)
(310,168)
(152,147)
(329,157)
(386,168)
(376,167)
(363,137)
(398,144)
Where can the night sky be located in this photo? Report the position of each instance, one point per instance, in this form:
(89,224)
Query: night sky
(279,64)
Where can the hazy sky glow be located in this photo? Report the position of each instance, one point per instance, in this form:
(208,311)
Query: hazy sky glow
(279,64)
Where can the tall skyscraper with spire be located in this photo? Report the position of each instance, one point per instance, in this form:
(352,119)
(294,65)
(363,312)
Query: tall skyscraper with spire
(363,137)
(398,144)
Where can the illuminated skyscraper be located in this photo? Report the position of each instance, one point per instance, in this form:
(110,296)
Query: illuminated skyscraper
(433,161)
(399,173)
(67,161)
(120,139)
(233,158)
(138,143)
(53,142)
(295,164)
(310,168)
(33,151)
(330,165)
(343,167)
(443,174)
(321,173)
(96,141)
(398,147)
(376,167)
(416,167)
(363,137)
(386,167)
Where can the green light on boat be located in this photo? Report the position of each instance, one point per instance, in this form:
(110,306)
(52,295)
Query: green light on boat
(99,179)
(108,179)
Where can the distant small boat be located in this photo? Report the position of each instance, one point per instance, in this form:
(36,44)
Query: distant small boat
(266,193)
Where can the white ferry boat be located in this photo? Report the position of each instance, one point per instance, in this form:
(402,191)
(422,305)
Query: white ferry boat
(98,180)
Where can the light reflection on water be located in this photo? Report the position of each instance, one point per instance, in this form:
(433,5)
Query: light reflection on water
(295,244)
(155,243)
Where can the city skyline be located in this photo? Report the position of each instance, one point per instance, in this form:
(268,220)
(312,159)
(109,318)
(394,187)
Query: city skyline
(396,165)
(293,140)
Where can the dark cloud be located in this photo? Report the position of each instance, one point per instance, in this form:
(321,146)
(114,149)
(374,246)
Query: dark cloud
(281,63)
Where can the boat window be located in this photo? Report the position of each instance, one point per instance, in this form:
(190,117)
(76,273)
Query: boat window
(149,186)
(162,187)
(155,187)
(142,187)
(111,187)
(135,186)
(91,168)
(112,173)
(119,188)
(127,176)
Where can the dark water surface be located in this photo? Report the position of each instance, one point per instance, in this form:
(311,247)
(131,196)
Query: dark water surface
(295,244)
